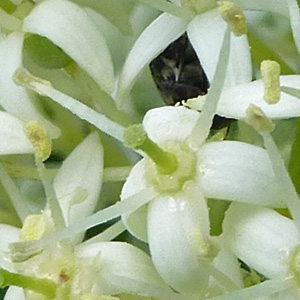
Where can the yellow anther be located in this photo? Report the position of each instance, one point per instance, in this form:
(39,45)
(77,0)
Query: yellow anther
(35,227)
(233,15)
(258,120)
(270,71)
(39,139)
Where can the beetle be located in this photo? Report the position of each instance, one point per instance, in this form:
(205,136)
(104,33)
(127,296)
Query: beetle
(178,75)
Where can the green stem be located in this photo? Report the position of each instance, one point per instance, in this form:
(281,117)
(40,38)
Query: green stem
(42,286)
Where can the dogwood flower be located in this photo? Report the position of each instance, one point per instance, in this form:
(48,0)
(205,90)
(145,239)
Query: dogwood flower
(63,271)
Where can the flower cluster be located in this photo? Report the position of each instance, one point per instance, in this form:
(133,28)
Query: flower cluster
(106,192)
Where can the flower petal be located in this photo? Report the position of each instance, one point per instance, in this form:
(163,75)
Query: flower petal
(239,172)
(261,237)
(277,6)
(8,234)
(12,137)
(78,182)
(169,123)
(235,100)
(125,269)
(177,226)
(136,223)
(206,33)
(154,39)
(14,99)
(70,28)
(14,293)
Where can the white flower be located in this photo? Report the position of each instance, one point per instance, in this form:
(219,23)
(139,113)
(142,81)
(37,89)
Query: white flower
(88,270)
(176,222)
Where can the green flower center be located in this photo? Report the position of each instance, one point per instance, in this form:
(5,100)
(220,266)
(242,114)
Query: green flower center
(185,171)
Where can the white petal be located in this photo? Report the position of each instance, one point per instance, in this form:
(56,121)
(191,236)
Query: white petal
(228,264)
(206,33)
(295,21)
(175,224)
(8,234)
(115,40)
(235,100)
(169,123)
(124,269)
(80,176)
(261,237)
(14,99)
(70,28)
(136,223)
(239,172)
(156,37)
(275,6)
(14,293)
(12,137)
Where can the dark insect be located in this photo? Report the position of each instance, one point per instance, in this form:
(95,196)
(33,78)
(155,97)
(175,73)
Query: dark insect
(178,75)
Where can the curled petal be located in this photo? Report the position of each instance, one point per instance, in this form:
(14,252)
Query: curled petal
(70,28)
(206,33)
(124,269)
(239,172)
(178,229)
(261,237)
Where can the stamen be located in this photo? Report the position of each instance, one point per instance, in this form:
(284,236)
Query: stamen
(270,71)
(258,120)
(35,227)
(42,286)
(233,15)
(21,251)
(23,78)
(201,130)
(39,139)
(135,137)
(16,198)
(263,125)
